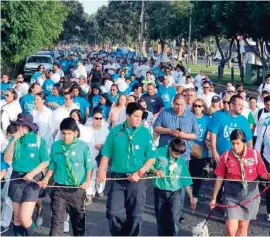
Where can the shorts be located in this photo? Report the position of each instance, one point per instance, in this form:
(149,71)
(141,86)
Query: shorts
(24,191)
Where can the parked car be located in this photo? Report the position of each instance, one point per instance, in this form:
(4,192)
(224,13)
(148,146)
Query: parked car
(34,61)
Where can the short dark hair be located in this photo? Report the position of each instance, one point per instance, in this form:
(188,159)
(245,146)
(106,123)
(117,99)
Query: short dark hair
(238,134)
(266,99)
(69,124)
(265,93)
(234,98)
(136,86)
(178,145)
(267,76)
(41,95)
(70,94)
(97,110)
(206,82)
(252,98)
(11,129)
(132,107)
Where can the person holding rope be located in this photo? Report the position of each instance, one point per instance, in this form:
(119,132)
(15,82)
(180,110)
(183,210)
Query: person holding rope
(241,164)
(167,188)
(130,151)
(28,154)
(71,166)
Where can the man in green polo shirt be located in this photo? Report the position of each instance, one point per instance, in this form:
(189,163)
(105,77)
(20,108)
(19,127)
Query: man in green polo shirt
(71,165)
(169,166)
(130,152)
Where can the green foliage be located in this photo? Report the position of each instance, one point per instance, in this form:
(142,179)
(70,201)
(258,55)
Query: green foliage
(28,26)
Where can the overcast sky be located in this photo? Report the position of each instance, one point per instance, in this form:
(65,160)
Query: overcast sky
(91,6)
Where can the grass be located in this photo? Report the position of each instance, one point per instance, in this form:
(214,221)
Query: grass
(212,71)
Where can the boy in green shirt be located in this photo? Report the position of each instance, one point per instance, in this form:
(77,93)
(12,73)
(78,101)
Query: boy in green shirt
(71,165)
(130,152)
(167,190)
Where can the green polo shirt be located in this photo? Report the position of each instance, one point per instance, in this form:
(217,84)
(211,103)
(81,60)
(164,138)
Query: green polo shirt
(27,155)
(116,149)
(80,158)
(163,162)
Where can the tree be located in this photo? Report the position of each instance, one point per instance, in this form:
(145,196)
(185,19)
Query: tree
(28,26)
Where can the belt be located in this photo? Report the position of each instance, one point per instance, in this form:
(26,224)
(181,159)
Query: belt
(120,175)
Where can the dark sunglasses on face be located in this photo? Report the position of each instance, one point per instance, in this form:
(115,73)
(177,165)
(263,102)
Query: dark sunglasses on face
(225,102)
(206,87)
(96,118)
(197,106)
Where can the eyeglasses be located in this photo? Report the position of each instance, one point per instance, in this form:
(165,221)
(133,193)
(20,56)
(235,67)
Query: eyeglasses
(206,87)
(96,118)
(226,102)
(113,89)
(198,106)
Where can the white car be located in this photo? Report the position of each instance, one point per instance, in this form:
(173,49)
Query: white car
(34,61)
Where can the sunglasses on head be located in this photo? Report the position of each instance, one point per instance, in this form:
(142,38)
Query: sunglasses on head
(198,106)
(96,118)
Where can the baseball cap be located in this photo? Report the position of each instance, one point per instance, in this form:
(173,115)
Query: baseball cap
(215,99)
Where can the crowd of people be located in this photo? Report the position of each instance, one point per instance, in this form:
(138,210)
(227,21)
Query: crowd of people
(117,116)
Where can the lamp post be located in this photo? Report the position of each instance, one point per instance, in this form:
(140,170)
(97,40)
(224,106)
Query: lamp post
(189,35)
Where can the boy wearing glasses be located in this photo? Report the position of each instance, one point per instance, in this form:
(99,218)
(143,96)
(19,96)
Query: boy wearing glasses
(169,166)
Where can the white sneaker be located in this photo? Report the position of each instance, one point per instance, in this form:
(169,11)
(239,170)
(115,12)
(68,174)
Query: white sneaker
(39,221)
(268,217)
(66,226)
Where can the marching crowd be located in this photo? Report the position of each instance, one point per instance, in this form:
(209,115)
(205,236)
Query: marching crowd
(113,115)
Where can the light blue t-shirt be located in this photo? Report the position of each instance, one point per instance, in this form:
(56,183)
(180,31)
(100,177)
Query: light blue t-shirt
(167,94)
(4,87)
(47,86)
(82,103)
(204,127)
(58,99)
(35,76)
(222,124)
(27,103)
(105,111)
(112,98)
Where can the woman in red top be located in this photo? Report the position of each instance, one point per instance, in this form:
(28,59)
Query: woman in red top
(241,164)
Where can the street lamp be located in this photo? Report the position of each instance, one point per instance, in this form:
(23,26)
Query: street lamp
(189,35)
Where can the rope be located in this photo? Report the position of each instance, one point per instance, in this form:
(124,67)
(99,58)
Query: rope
(156,177)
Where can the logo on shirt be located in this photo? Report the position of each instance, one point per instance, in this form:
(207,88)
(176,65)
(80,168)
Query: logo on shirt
(32,145)
(228,129)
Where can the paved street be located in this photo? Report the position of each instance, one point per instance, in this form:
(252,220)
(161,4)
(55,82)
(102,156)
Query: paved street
(97,223)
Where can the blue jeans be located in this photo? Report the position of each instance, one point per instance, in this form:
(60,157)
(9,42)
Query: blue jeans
(125,205)
(167,209)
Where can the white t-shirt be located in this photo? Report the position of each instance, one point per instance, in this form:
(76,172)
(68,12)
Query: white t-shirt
(56,77)
(198,80)
(44,121)
(170,78)
(207,98)
(266,87)
(188,86)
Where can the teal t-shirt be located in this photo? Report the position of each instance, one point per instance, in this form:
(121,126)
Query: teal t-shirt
(79,157)
(171,167)
(116,148)
(27,103)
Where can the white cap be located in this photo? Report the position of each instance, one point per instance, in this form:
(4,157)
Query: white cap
(230,88)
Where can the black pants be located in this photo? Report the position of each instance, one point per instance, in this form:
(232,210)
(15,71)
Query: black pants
(267,194)
(125,205)
(72,201)
(196,170)
(167,209)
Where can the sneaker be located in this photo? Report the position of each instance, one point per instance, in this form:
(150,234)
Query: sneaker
(268,217)
(39,221)
(181,220)
(66,226)
(4,229)
(100,194)
(88,201)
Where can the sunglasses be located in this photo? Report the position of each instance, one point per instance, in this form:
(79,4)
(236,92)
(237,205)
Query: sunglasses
(198,106)
(205,87)
(226,102)
(96,118)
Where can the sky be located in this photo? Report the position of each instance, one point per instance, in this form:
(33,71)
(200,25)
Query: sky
(91,6)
